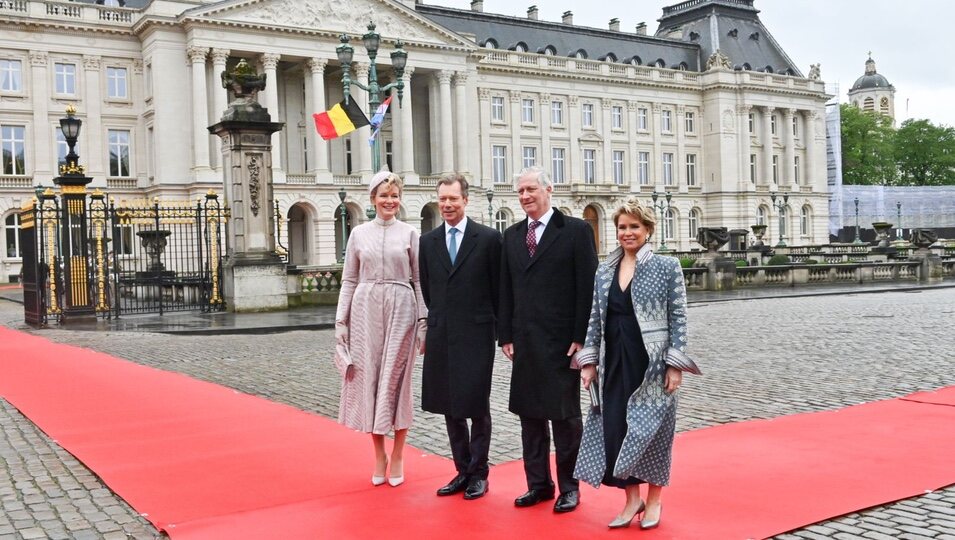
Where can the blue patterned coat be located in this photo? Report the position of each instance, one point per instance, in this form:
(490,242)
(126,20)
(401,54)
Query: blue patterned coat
(659,302)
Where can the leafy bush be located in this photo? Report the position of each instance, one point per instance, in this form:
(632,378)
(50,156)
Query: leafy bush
(741,262)
(686,262)
(776,260)
(810,261)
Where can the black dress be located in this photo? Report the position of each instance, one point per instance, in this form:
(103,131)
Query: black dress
(625,365)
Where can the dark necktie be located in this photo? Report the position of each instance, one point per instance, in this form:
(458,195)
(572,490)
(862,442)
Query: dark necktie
(532,237)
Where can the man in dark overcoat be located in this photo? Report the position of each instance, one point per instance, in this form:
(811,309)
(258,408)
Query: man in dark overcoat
(547,275)
(459,264)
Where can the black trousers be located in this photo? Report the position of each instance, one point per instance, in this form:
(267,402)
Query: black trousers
(535,437)
(470,448)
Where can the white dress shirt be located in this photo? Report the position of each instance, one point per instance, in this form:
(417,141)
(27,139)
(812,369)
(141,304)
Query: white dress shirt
(544,220)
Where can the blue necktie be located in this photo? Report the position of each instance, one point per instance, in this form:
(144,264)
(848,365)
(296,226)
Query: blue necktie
(453,245)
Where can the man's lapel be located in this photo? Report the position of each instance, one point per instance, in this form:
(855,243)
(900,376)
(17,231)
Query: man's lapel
(554,229)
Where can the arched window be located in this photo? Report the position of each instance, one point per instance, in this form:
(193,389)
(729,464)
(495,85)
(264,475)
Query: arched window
(683,66)
(635,61)
(747,67)
(660,63)
(11,234)
(868,104)
(669,224)
(580,53)
(805,220)
(784,222)
(520,46)
(549,50)
(502,220)
(429,217)
(768,69)
(592,216)
(884,105)
(490,44)
(761,215)
(609,57)
(694,222)
(297,230)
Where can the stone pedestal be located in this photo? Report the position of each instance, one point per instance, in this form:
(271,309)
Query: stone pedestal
(720,270)
(931,265)
(251,286)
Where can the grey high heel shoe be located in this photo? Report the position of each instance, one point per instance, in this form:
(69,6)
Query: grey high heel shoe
(621,523)
(652,524)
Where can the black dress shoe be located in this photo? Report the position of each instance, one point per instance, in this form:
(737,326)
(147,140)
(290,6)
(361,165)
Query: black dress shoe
(533,497)
(567,501)
(456,485)
(477,487)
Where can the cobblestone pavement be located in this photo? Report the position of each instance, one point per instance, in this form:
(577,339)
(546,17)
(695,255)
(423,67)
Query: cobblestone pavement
(761,358)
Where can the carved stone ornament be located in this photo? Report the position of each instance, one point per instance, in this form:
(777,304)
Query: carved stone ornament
(255,171)
(814,72)
(712,238)
(245,84)
(923,238)
(718,60)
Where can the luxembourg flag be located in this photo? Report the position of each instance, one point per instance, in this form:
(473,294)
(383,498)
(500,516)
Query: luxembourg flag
(378,119)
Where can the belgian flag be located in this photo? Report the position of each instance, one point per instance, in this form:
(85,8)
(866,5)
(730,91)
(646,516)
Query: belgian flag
(341,119)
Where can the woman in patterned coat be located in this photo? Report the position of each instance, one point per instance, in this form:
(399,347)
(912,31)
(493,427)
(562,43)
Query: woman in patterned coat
(379,326)
(635,354)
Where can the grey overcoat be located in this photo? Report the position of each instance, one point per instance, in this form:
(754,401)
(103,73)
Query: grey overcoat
(659,303)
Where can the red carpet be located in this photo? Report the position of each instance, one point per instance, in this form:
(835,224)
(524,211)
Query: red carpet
(205,461)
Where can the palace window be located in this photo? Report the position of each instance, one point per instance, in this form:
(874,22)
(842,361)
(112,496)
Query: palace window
(690,122)
(12,143)
(527,111)
(497,108)
(776,169)
(795,126)
(667,169)
(617,162)
(642,123)
(11,75)
(761,215)
(116,83)
(804,217)
(643,168)
(529,156)
(752,168)
(616,117)
(587,115)
(64,79)
(557,113)
(796,170)
(118,152)
(12,236)
(691,169)
(501,221)
(669,224)
(557,165)
(590,165)
(666,121)
(499,164)
(752,122)
(772,123)
(694,222)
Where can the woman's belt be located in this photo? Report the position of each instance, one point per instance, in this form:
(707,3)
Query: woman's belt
(389,281)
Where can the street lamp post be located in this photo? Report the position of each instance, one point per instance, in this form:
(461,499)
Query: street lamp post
(490,208)
(857,239)
(399,59)
(898,226)
(344,211)
(781,210)
(663,208)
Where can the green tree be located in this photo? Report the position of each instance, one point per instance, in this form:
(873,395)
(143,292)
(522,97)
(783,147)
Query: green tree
(925,153)
(868,155)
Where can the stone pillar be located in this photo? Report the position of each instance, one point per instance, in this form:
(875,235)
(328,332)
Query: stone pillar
(517,153)
(94,106)
(787,175)
(809,140)
(405,162)
(461,151)
(319,162)
(254,275)
(446,158)
(543,124)
(269,63)
(679,160)
(359,137)
(606,175)
(574,153)
(220,96)
(484,105)
(44,151)
(634,174)
(767,140)
(742,112)
(657,157)
(200,109)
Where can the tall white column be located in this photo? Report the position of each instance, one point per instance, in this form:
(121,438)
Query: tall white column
(634,174)
(606,176)
(94,105)
(461,151)
(574,153)
(200,109)
(787,175)
(44,158)
(543,122)
(484,105)
(405,142)
(742,122)
(767,176)
(809,136)
(657,157)
(319,146)
(679,165)
(269,63)
(446,159)
(220,96)
(517,153)
(359,137)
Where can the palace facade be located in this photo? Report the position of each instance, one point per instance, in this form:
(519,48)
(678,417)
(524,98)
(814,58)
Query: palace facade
(709,110)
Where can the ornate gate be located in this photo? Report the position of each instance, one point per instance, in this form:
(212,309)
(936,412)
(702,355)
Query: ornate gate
(93,255)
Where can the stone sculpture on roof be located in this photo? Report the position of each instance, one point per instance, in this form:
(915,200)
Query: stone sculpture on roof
(814,72)
(718,60)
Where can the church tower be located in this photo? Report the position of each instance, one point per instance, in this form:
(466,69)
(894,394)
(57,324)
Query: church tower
(873,92)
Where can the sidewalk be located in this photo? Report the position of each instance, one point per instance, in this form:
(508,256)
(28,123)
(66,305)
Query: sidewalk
(323,317)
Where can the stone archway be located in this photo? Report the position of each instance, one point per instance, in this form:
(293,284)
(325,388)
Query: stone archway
(299,239)
(430,217)
(592,216)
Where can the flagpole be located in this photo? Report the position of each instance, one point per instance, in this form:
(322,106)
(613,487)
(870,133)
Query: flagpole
(399,59)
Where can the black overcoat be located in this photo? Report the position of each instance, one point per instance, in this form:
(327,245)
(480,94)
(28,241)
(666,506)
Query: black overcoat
(545,306)
(462,318)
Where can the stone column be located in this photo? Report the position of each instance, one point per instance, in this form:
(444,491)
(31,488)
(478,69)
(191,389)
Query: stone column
(574,153)
(461,151)
(607,175)
(633,167)
(269,63)
(405,162)
(517,153)
(44,151)
(319,146)
(787,176)
(220,96)
(94,105)
(200,109)
(809,138)
(543,124)
(742,112)
(657,157)
(767,140)
(359,138)
(679,165)
(484,105)
(446,122)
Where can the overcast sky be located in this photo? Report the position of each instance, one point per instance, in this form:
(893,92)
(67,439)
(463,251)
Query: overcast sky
(909,40)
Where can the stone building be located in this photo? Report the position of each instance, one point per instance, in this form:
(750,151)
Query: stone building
(709,109)
(873,92)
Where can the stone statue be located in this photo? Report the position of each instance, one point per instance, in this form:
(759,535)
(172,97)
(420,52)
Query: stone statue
(718,60)
(923,238)
(712,238)
(814,73)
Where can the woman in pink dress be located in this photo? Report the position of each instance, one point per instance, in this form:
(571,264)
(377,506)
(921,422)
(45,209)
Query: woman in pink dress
(379,327)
